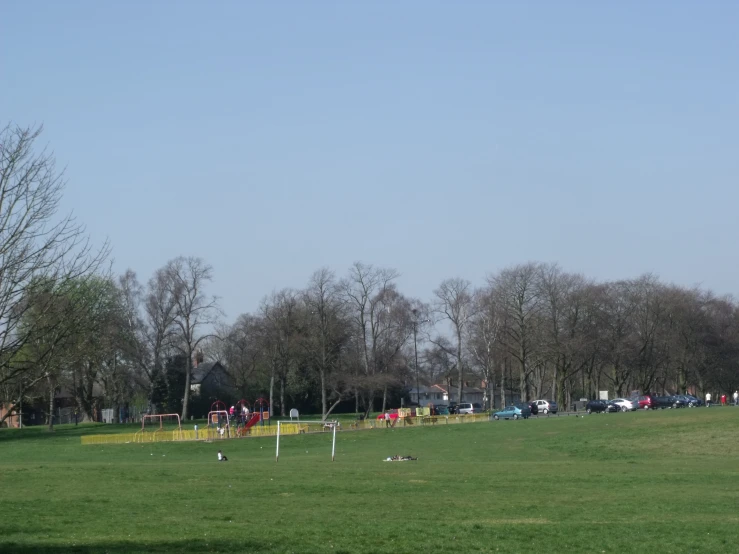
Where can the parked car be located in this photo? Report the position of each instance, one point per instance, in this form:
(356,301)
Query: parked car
(601,406)
(689,400)
(519,411)
(546,406)
(666,402)
(440,410)
(643,402)
(469,408)
(533,406)
(625,404)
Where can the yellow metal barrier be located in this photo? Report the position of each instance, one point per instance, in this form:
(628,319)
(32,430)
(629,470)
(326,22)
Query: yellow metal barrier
(271,430)
(121,438)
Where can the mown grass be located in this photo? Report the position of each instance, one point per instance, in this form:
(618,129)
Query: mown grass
(660,481)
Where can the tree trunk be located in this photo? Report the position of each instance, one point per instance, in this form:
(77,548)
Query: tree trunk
(369,403)
(331,409)
(324,412)
(522,384)
(52,391)
(491,389)
(186,397)
(271,391)
(502,386)
(460,368)
(282,395)
(384,399)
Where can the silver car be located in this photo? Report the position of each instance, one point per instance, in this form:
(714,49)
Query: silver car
(469,408)
(625,404)
(546,406)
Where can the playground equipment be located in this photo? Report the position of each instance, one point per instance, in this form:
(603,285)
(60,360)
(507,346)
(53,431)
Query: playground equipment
(260,413)
(219,422)
(141,436)
(243,430)
(261,405)
(244,411)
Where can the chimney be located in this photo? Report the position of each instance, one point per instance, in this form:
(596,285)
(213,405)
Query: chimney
(197,359)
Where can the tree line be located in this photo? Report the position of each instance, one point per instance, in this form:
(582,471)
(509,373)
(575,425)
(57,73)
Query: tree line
(353,342)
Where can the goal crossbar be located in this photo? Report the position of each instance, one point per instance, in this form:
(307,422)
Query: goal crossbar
(326,425)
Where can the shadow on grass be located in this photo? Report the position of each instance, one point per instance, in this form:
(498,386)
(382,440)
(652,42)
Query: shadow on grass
(41,432)
(129,547)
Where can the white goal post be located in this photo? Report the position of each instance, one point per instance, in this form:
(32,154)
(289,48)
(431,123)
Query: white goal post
(305,427)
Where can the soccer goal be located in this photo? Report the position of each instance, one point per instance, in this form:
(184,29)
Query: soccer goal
(299,428)
(153,426)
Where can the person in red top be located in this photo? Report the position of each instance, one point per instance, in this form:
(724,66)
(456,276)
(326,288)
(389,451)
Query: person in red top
(723,400)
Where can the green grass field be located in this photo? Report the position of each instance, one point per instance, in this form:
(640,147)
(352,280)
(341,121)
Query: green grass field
(663,481)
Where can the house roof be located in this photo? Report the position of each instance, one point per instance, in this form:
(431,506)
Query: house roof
(202,371)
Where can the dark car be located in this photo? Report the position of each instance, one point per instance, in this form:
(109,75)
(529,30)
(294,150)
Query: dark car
(689,400)
(601,406)
(440,410)
(667,401)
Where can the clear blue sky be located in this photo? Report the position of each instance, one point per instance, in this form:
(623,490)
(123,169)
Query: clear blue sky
(441,139)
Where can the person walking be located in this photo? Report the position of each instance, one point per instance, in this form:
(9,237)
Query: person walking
(736,398)
(708,400)
(387,419)
(723,400)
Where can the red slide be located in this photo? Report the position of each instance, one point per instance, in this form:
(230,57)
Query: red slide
(252,421)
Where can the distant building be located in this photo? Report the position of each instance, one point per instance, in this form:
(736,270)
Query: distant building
(209,382)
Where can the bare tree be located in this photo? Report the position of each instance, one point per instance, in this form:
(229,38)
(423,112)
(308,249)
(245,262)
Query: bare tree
(568,307)
(520,301)
(365,293)
(326,336)
(37,246)
(281,317)
(195,313)
(163,332)
(136,335)
(454,303)
(483,337)
(240,347)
